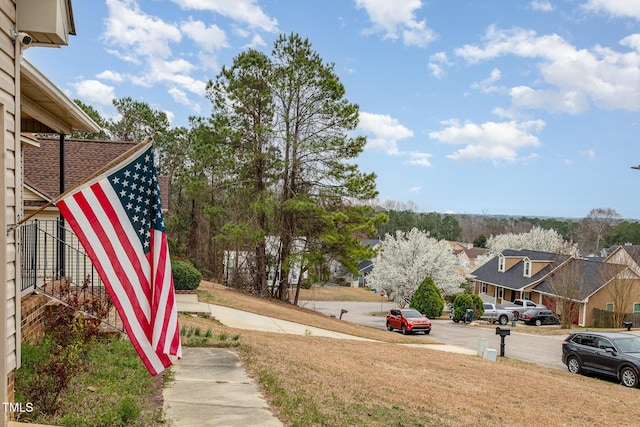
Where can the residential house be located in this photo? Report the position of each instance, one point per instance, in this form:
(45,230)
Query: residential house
(365,266)
(595,285)
(528,274)
(513,274)
(29,103)
(627,254)
(467,255)
(237,265)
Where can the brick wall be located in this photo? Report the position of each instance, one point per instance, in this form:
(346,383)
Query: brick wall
(11,395)
(33,320)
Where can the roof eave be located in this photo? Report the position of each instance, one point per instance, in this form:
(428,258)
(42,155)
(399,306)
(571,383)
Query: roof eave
(81,121)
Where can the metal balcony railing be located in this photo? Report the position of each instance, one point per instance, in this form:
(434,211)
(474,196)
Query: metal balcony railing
(53,262)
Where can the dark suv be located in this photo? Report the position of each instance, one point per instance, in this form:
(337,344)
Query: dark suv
(614,354)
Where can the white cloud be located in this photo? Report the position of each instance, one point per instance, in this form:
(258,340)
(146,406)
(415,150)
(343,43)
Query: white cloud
(573,102)
(436,70)
(397,20)
(256,42)
(94,91)
(589,154)
(419,159)
(541,6)
(497,141)
(415,190)
(179,96)
(243,11)
(437,60)
(383,132)
(486,85)
(112,76)
(575,77)
(209,38)
(135,33)
(616,8)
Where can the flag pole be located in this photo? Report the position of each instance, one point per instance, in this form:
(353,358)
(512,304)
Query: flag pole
(110,164)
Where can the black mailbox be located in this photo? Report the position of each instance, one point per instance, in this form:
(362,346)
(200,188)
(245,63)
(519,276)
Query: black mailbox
(342,311)
(627,325)
(503,332)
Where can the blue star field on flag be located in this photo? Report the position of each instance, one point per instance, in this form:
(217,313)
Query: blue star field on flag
(137,187)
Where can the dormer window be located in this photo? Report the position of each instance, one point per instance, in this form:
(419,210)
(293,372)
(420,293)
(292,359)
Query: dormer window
(501,263)
(527,268)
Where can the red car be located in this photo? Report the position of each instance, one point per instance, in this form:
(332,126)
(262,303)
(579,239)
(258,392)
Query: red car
(408,320)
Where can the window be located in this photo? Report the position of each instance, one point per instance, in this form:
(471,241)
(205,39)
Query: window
(636,307)
(609,306)
(527,268)
(500,293)
(501,263)
(484,288)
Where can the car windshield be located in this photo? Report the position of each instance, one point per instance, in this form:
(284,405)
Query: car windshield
(411,314)
(628,345)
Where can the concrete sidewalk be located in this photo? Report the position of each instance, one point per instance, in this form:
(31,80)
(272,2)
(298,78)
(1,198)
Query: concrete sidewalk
(211,388)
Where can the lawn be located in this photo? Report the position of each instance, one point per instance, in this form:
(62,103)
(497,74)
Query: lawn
(316,381)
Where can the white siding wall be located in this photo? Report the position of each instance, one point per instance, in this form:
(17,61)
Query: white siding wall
(10,197)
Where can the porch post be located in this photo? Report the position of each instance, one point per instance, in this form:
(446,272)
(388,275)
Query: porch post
(61,230)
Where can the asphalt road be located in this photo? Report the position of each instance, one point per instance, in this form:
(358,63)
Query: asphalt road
(542,349)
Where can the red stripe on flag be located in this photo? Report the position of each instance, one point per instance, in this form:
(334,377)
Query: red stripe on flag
(73,223)
(122,271)
(116,237)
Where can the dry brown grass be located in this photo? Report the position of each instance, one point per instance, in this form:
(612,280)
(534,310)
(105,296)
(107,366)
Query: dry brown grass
(316,381)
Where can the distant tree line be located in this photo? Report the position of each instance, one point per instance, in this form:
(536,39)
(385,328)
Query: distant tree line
(600,228)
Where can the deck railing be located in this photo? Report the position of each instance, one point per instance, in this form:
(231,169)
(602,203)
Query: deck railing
(53,262)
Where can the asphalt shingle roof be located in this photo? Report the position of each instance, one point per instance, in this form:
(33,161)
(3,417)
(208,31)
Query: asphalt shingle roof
(83,158)
(514,278)
(589,276)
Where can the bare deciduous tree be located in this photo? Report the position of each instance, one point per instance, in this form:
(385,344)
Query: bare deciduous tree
(596,226)
(566,284)
(621,283)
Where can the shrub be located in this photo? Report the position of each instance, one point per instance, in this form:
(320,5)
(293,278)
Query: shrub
(305,285)
(428,300)
(185,276)
(463,302)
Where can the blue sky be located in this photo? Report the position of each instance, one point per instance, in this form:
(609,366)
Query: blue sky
(493,107)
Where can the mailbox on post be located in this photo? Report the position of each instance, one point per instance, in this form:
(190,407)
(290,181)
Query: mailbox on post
(503,332)
(627,325)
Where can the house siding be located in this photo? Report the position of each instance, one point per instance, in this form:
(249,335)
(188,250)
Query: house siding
(10,199)
(602,297)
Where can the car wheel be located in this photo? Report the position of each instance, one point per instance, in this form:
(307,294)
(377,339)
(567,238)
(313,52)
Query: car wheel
(503,320)
(538,322)
(403,329)
(427,332)
(389,327)
(573,364)
(629,377)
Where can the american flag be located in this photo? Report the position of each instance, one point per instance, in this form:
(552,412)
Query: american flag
(118,219)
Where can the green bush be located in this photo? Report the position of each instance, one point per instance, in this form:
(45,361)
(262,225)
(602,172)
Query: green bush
(305,285)
(428,299)
(185,276)
(463,302)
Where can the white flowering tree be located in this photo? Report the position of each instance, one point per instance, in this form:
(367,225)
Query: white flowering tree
(407,258)
(538,239)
